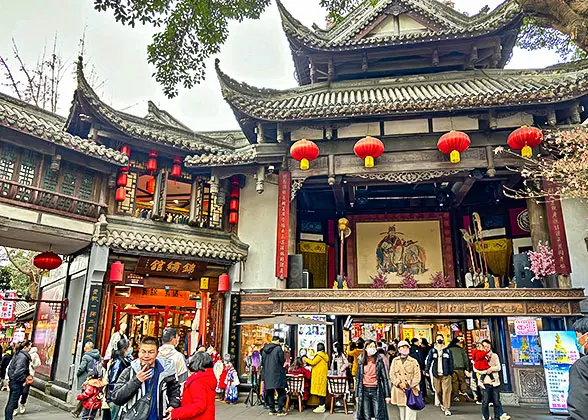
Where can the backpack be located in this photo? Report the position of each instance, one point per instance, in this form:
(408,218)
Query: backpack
(95,368)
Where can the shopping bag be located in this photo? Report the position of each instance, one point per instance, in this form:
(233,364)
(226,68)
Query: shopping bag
(414,399)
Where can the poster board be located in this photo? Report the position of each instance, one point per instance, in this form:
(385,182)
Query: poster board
(310,335)
(559,354)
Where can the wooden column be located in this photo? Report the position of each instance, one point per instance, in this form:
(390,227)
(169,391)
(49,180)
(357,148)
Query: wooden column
(202,333)
(194,211)
(292,228)
(538,222)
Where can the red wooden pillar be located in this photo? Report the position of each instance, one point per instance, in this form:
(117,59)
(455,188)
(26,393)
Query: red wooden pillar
(202,330)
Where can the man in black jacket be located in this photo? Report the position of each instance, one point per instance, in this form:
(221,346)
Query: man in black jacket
(18,371)
(146,375)
(578,392)
(441,360)
(274,376)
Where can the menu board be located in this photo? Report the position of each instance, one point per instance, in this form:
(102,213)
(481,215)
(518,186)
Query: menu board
(310,335)
(559,354)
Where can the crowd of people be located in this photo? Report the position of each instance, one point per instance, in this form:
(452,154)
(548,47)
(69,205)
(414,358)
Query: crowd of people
(381,373)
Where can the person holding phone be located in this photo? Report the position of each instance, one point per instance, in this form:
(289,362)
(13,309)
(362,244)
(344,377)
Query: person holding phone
(148,386)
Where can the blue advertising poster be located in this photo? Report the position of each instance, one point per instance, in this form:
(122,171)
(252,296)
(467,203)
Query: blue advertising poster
(526,350)
(559,354)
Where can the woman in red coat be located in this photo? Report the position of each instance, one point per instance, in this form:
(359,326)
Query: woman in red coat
(199,391)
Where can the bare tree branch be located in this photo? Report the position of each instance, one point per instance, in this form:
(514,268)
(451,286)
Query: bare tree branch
(13,82)
(31,84)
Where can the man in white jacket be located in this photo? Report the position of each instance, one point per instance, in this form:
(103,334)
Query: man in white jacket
(170,340)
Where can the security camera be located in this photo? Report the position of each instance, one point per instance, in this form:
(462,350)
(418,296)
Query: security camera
(271,169)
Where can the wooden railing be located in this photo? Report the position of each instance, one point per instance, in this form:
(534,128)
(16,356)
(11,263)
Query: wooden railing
(50,201)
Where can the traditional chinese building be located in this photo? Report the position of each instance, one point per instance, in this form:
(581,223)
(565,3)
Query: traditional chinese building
(388,82)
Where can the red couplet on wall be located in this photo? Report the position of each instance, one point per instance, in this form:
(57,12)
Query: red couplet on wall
(283,224)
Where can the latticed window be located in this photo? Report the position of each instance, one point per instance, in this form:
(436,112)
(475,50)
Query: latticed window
(86,186)
(8,161)
(68,184)
(127,206)
(208,213)
(26,174)
(50,178)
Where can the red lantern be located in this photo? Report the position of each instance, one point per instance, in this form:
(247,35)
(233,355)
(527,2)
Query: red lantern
(151,185)
(127,151)
(234,205)
(235,181)
(223,283)
(454,143)
(233,217)
(176,171)
(304,151)
(121,194)
(122,180)
(368,149)
(235,192)
(524,139)
(117,270)
(47,261)
(152,162)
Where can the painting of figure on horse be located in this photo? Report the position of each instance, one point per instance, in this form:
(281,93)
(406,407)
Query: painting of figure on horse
(397,254)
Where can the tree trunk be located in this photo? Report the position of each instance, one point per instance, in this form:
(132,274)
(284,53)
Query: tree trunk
(567,16)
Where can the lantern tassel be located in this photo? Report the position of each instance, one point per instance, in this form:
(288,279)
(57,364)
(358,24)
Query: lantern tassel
(454,156)
(526,151)
(304,164)
(369,161)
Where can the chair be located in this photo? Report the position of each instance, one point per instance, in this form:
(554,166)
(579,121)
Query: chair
(337,390)
(295,389)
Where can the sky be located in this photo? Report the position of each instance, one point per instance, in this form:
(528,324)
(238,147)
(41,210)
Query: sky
(256,52)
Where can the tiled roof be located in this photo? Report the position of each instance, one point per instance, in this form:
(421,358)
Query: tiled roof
(177,241)
(151,130)
(238,157)
(473,89)
(161,116)
(450,22)
(29,119)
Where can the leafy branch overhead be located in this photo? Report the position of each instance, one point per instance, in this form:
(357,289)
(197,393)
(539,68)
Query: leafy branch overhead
(190,31)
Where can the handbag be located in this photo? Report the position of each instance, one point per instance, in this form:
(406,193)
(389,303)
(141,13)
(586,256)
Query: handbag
(414,399)
(140,410)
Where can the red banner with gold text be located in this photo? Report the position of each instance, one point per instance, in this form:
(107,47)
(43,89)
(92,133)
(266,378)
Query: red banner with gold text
(283,224)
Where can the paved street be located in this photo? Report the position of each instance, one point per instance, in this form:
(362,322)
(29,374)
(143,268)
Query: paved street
(37,410)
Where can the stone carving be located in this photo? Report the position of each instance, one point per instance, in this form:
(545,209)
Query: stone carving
(532,383)
(548,308)
(338,308)
(503,308)
(418,307)
(408,177)
(459,307)
(378,307)
(300,307)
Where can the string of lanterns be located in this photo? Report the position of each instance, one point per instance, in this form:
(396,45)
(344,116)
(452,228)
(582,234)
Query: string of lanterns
(234,202)
(453,144)
(123,176)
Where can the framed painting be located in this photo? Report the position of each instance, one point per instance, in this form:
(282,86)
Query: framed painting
(394,244)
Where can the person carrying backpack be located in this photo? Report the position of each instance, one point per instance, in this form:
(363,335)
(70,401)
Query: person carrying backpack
(92,395)
(90,362)
(18,377)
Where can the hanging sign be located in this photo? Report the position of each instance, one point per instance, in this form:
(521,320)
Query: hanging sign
(559,241)
(204,283)
(93,313)
(135,280)
(283,224)
(525,326)
(170,268)
(7,306)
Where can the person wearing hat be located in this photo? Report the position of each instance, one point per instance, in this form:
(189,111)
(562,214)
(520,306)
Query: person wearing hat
(405,373)
(170,340)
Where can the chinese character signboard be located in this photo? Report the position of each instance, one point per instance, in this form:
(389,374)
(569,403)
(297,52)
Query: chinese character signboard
(525,326)
(170,268)
(135,280)
(7,306)
(283,224)
(559,354)
(93,313)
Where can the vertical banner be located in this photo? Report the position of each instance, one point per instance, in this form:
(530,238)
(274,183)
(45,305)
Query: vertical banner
(557,232)
(93,313)
(559,354)
(283,225)
(7,306)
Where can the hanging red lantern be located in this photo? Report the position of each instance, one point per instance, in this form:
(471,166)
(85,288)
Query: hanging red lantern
(368,149)
(235,192)
(121,194)
(453,144)
(524,139)
(235,182)
(117,270)
(234,205)
(304,151)
(223,283)
(151,185)
(47,261)
(127,151)
(233,217)
(176,171)
(152,161)
(122,179)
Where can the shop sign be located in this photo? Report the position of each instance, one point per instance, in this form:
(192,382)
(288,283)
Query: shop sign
(525,326)
(93,313)
(559,354)
(170,268)
(283,224)
(204,283)
(469,324)
(7,306)
(79,263)
(135,280)
(557,232)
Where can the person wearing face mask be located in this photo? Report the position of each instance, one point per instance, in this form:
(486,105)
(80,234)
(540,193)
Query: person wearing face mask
(121,359)
(405,373)
(461,364)
(372,391)
(440,360)
(578,392)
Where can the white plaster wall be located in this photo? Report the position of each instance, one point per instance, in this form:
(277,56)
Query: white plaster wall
(575,214)
(258,215)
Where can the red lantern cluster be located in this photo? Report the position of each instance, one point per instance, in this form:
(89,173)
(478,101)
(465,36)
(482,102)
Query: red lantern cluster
(123,177)
(176,171)
(117,270)
(223,283)
(368,149)
(152,161)
(234,203)
(47,261)
(304,151)
(453,144)
(524,139)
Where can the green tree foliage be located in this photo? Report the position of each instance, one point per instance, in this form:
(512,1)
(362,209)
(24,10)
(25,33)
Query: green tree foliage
(5,278)
(190,31)
(25,277)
